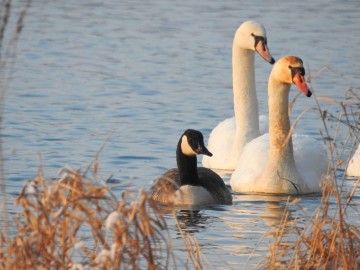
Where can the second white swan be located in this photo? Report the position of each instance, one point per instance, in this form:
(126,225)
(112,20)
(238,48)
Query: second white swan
(227,140)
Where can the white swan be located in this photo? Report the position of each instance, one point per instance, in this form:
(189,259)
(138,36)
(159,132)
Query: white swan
(353,168)
(227,140)
(275,162)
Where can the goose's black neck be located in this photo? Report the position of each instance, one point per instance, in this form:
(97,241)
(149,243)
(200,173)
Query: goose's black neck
(187,166)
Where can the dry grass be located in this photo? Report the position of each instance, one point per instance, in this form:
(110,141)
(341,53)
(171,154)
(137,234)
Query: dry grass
(8,51)
(57,213)
(328,240)
(72,223)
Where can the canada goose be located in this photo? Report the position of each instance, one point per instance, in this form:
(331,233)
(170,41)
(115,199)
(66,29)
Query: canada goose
(228,139)
(276,162)
(187,184)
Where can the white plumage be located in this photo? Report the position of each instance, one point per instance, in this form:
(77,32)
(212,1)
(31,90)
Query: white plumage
(270,165)
(310,156)
(353,168)
(227,140)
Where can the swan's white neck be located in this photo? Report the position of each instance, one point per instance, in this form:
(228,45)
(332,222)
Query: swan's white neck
(280,175)
(279,123)
(245,100)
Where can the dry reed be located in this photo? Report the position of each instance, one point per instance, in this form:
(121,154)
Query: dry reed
(57,214)
(8,51)
(72,223)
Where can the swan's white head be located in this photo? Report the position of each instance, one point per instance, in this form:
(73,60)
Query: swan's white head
(290,70)
(252,36)
(192,143)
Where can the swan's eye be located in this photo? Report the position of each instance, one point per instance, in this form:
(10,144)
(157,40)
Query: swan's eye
(260,39)
(296,70)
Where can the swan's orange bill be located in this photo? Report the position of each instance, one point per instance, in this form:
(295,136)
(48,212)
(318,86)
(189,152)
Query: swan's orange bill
(300,82)
(263,50)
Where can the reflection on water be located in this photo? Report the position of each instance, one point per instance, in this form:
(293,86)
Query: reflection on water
(134,76)
(240,235)
(192,221)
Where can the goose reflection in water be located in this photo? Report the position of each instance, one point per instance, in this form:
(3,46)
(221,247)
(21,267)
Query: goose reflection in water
(194,220)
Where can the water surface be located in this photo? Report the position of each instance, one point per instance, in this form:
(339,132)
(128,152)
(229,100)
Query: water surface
(134,75)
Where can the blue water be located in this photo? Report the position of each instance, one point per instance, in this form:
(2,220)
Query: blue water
(133,75)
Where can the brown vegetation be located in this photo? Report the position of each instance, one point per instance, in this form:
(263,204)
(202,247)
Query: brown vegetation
(58,217)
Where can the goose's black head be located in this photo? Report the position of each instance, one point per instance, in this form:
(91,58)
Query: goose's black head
(192,143)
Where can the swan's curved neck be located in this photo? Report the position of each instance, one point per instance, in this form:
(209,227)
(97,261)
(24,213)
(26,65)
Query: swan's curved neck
(280,174)
(187,166)
(245,100)
(281,153)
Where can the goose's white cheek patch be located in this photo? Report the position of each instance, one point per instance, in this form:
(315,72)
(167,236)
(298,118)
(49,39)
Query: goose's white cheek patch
(186,148)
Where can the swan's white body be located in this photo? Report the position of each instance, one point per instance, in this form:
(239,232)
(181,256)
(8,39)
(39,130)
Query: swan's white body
(310,166)
(269,164)
(228,139)
(353,168)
